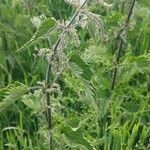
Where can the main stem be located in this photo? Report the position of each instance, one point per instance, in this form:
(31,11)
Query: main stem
(120,42)
(49,76)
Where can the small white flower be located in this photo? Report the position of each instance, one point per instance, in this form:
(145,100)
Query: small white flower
(75,2)
(43,52)
(36,21)
(104,3)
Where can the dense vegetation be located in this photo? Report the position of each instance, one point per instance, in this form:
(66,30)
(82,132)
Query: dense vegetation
(75,76)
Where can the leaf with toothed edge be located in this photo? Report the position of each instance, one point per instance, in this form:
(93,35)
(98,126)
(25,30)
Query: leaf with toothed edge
(43,29)
(86,72)
(75,136)
(11,94)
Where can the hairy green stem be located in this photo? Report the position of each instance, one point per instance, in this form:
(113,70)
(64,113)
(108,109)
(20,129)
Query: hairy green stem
(49,75)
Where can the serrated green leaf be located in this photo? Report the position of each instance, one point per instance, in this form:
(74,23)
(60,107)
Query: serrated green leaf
(43,29)
(12,94)
(86,72)
(131,107)
(35,101)
(76,137)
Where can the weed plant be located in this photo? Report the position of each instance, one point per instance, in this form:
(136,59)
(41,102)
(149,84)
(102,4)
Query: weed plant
(75,75)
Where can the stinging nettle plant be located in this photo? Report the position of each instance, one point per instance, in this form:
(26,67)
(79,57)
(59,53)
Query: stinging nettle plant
(57,60)
(107,119)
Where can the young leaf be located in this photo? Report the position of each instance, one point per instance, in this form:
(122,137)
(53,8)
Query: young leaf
(43,29)
(35,101)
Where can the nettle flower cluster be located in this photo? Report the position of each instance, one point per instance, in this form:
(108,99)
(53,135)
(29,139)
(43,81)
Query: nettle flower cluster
(80,2)
(68,34)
